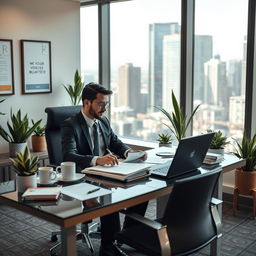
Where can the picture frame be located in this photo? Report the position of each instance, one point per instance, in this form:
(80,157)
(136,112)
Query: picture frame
(36,66)
(6,67)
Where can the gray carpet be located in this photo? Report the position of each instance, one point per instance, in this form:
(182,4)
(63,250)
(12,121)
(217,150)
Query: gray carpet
(24,235)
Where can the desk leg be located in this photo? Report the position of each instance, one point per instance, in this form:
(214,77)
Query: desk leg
(216,244)
(68,238)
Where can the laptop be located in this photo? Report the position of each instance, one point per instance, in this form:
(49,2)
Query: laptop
(189,156)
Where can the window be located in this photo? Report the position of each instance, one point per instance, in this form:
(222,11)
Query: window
(145,65)
(89,43)
(219,66)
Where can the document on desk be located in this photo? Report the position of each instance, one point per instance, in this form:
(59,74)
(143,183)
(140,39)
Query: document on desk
(123,171)
(133,156)
(84,191)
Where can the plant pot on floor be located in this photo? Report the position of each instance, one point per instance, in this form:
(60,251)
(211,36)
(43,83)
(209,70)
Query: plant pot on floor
(16,148)
(38,143)
(24,182)
(245,181)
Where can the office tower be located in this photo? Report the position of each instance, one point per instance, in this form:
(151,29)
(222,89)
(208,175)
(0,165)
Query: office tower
(157,31)
(202,54)
(234,77)
(215,82)
(243,76)
(129,86)
(171,69)
(236,112)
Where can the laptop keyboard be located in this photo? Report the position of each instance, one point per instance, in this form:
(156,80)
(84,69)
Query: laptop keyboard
(162,169)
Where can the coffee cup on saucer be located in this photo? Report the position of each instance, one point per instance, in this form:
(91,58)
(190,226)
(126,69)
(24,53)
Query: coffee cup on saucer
(68,170)
(46,175)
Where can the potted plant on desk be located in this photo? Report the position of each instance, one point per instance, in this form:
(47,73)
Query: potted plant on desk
(38,139)
(245,177)
(25,166)
(218,142)
(164,140)
(19,132)
(178,120)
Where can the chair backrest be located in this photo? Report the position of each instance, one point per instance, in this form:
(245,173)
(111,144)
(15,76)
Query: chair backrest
(55,116)
(188,217)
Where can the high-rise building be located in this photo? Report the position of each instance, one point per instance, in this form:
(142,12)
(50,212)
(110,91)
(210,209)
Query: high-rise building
(243,75)
(202,53)
(171,69)
(129,86)
(234,71)
(157,31)
(215,82)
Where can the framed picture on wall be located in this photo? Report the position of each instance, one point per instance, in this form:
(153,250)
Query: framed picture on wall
(36,66)
(6,67)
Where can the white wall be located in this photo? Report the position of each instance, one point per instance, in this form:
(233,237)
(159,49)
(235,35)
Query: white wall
(57,21)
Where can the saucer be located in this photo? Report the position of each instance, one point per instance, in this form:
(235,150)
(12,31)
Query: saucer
(46,184)
(78,176)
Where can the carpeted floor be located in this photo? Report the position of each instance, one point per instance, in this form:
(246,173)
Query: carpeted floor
(24,235)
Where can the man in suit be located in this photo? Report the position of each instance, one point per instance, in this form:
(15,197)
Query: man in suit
(87,139)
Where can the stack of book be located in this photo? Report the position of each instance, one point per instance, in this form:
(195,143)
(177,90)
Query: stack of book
(212,160)
(42,193)
(124,172)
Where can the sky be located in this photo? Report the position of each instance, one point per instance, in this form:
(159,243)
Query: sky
(225,20)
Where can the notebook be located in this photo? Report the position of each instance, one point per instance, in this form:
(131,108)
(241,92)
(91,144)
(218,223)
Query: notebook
(189,156)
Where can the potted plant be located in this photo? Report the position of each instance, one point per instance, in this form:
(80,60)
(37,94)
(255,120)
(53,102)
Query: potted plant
(245,177)
(179,121)
(75,91)
(218,142)
(25,166)
(164,140)
(19,132)
(38,139)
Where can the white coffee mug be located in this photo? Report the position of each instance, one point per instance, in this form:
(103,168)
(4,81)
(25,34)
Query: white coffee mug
(46,175)
(68,170)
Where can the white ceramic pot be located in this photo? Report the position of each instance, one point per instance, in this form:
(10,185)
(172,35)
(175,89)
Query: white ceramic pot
(24,182)
(169,145)
(219,151)
(16,148)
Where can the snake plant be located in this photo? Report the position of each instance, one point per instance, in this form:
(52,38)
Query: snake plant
(25,164)
(40,130)
(75,91)
(19,130)
(178,120)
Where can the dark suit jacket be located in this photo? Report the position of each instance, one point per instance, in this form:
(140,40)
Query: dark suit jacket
(77,144)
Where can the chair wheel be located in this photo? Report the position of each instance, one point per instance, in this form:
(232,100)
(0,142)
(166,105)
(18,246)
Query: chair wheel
(54,238)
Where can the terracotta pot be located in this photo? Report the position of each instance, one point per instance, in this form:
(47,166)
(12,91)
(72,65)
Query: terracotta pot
(245,181)
(38,143)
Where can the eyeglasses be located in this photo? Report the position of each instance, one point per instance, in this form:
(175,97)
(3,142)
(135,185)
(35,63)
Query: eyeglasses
(103,104)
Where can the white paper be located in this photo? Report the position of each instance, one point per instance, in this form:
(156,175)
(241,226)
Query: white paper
(132,156)
(80,191)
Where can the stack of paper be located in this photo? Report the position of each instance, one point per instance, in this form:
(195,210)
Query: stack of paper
(124,171)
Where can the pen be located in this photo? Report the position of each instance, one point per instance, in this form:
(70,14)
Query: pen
(93,190)
(111,154)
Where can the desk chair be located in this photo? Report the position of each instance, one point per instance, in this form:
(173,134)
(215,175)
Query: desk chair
(55,116)
(190,221)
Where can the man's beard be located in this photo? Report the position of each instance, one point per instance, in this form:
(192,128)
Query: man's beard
(94,114)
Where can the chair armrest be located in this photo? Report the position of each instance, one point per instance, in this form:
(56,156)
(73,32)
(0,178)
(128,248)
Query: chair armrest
(216,201)
(150,223)
(216,216)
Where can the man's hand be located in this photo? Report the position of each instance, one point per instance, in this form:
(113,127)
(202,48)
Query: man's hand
(107,159)
(143,158)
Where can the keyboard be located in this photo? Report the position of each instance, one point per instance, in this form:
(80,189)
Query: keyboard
(160,169)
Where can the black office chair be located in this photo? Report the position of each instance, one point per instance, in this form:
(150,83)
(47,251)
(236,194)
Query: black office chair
(190,221)
(55,116)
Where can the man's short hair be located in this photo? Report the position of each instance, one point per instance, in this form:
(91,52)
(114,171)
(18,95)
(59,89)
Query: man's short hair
(90,91)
